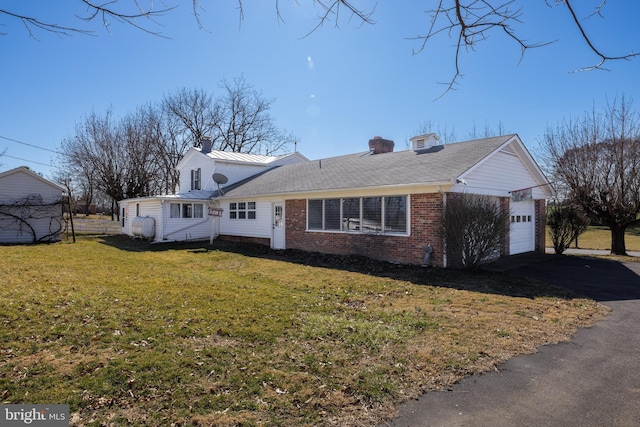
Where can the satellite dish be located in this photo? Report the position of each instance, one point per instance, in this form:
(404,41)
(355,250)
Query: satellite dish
(220,178)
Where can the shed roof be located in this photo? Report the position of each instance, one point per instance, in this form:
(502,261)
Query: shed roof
(27,171)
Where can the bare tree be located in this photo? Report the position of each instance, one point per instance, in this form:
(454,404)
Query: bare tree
(596,161)
(192,115)
(80,180)
(129,13)
(172,144)
(238,120)
(242,121)
(473,228)
(119,156)
(94,148)
(138,138)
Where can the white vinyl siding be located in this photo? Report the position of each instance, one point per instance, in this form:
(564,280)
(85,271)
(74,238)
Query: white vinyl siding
(141,207)
(261,226)
(18,185)
(499,175)
(197,161)
(192,223)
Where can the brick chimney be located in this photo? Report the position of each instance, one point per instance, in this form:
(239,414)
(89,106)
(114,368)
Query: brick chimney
(379,145)
(207,144)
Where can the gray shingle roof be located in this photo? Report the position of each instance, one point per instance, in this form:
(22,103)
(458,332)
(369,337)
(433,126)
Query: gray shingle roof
(440,164)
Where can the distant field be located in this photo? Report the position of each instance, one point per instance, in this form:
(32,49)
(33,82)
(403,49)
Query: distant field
(599,237)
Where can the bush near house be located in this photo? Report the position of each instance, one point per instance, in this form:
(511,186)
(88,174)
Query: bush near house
(473,227)
(565,223)
(129,333)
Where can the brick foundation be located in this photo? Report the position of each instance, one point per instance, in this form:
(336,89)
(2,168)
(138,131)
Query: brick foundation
(257,240)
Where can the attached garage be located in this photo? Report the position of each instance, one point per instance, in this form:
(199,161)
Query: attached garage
(522,231)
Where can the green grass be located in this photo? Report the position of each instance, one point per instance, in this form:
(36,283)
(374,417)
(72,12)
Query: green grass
(599,237)
(128,333)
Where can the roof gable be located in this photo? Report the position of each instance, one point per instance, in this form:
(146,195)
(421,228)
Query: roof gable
(28,172)
(516,148)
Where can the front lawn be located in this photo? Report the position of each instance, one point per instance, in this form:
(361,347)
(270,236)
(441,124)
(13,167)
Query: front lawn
(129,333)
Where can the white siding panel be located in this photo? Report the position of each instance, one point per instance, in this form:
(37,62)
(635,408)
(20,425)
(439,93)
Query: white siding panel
(499,175)
(185,228)
(237,172)
(200,161)
(151,208)
(259,227)
(18,185)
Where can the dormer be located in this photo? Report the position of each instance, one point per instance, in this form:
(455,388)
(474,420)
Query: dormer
(424,142)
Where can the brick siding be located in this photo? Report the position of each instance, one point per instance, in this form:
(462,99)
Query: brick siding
(425,229)
(541,225)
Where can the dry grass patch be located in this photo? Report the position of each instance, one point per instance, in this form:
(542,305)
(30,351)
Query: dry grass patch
(128,333)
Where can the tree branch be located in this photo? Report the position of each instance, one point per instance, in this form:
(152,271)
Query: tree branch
(587,39)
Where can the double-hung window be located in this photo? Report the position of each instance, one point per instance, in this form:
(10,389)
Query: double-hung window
(196,182)
(242,210)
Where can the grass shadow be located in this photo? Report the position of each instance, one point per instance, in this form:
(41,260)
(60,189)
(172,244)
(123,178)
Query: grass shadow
(488,282)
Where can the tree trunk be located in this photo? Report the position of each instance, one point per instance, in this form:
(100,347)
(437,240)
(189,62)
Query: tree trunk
(618,246)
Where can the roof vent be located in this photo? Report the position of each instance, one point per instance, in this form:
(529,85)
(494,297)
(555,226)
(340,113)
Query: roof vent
(424,142)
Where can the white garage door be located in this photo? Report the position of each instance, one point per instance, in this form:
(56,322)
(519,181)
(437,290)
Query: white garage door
(523,230)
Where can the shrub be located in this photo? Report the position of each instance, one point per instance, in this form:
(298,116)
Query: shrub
(473,229)
(565,223)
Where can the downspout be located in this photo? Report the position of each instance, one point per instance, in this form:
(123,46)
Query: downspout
(444,244)
(213,233)
(162,217)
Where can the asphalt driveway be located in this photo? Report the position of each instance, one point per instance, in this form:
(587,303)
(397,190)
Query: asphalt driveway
(593,380)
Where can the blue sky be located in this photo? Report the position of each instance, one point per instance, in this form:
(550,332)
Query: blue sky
(334,89)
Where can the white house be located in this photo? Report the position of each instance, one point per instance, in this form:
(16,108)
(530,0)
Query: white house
(30,207)
(191,213)
(378,203)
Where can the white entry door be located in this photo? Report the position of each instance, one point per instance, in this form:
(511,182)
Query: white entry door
(278,238)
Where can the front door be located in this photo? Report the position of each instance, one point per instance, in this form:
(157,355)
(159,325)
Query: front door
(278,240)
